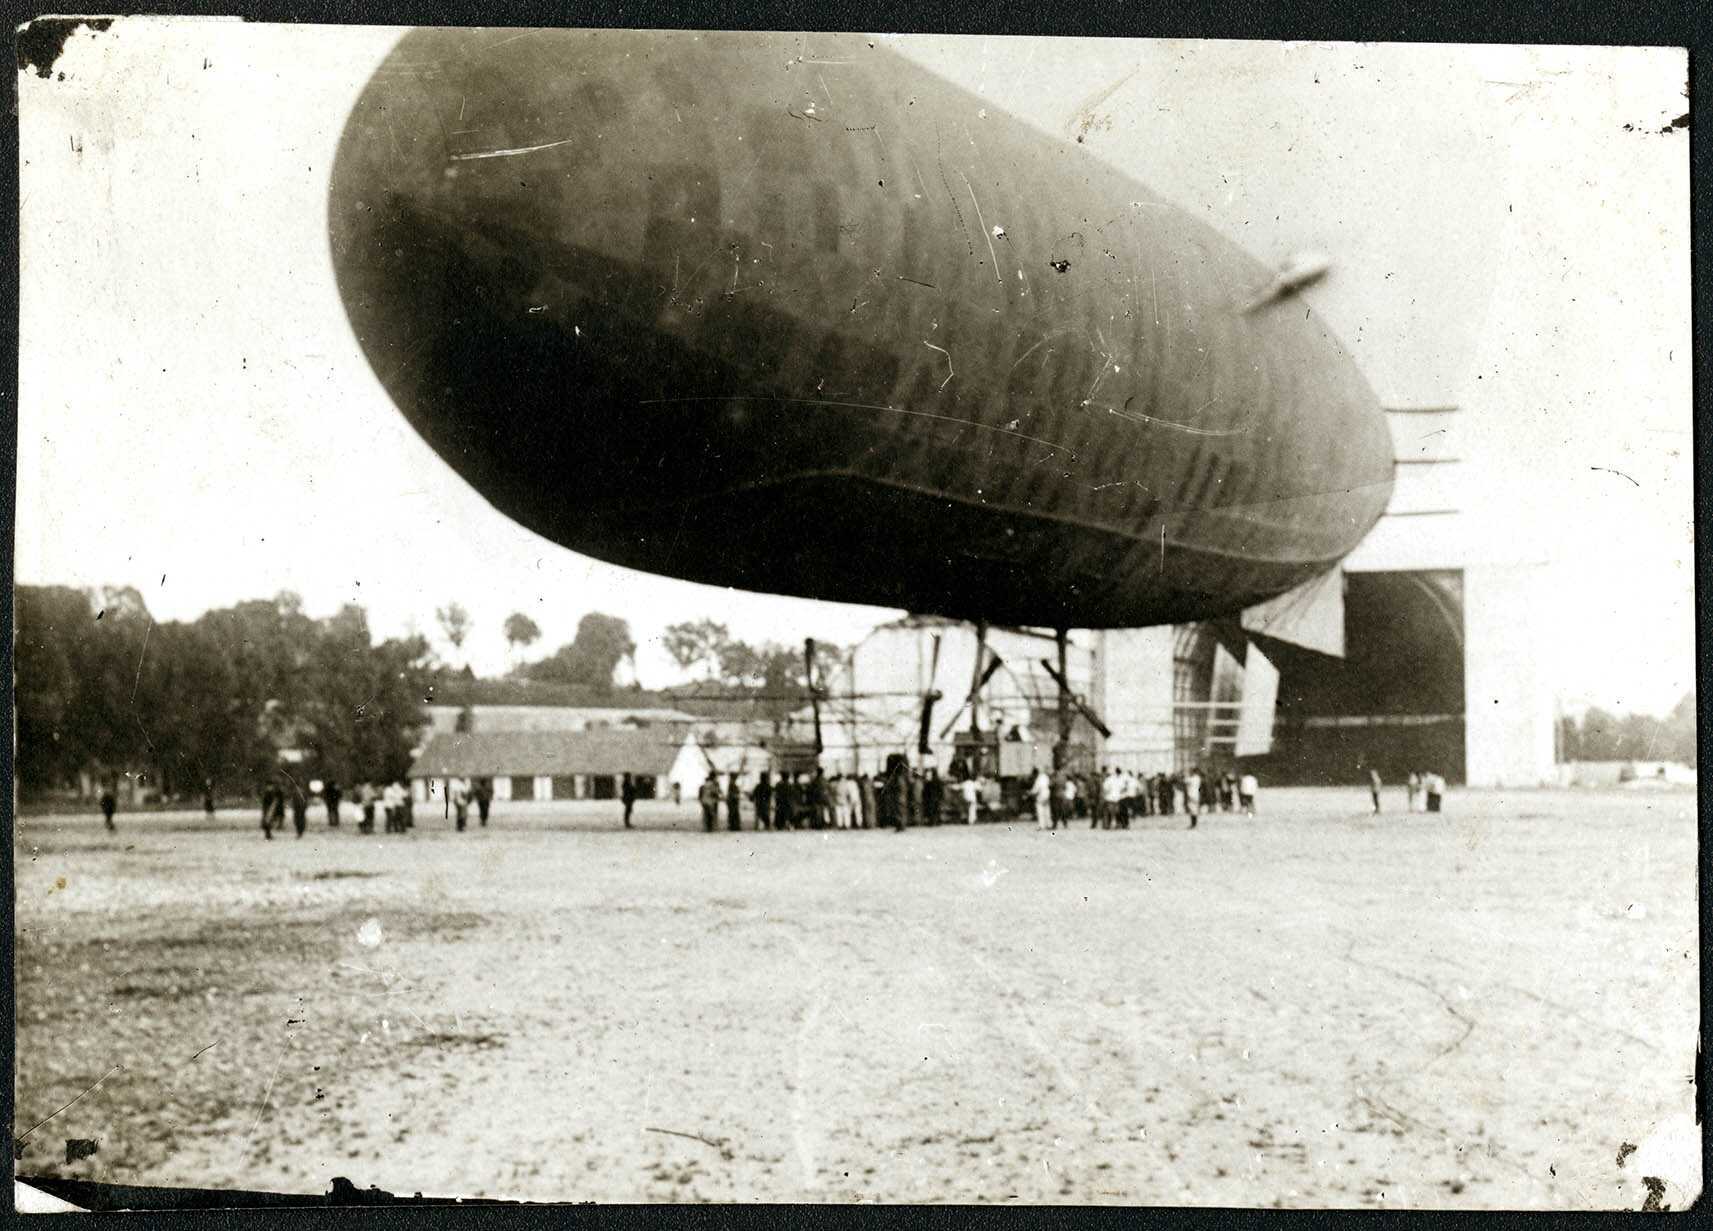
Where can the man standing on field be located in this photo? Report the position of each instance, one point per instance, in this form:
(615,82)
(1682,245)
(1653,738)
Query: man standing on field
(1041,789)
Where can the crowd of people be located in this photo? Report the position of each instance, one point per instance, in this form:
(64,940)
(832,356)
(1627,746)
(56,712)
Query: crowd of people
(392,804)
(903,796)
(899,797)
(1112,799)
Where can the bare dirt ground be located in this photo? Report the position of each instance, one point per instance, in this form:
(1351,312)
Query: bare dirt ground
(1313,1007)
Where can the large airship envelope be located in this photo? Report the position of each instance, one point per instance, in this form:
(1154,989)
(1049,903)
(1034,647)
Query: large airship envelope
(695,304)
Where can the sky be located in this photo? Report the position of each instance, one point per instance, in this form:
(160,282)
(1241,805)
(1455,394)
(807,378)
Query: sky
(1508,230)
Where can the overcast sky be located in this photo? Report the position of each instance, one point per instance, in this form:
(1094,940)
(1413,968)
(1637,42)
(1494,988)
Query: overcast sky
(1508,227)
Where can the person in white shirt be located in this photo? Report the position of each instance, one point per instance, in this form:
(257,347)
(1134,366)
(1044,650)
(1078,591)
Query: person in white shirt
(1068,799)
(393,794)
(460,801)
(1111,792)
(1192,795)
(972,799)
(851,796)
(1041,789)
(1246,788)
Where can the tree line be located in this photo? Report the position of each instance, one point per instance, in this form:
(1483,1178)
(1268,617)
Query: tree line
(103,688)
(1602,736)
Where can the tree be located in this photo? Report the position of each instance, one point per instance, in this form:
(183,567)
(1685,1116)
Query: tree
(1679,738)
(52,624)
(601,644)
(521,633)
(455,624)
(697,641)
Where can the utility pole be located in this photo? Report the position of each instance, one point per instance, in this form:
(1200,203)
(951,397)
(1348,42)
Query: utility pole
(1062,749)
(975,695)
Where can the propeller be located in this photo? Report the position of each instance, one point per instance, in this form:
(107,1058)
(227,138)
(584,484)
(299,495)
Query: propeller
(928,699)
(994,664)
(1304,269)
(814,690)
(1082,706)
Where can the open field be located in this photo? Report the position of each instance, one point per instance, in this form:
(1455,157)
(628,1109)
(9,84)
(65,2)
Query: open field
(1313,1007)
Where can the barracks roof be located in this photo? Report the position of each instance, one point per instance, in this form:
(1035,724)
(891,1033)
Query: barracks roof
(495,754)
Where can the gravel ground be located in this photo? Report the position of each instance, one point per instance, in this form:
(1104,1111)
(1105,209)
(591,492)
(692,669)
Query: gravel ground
(1315,1007)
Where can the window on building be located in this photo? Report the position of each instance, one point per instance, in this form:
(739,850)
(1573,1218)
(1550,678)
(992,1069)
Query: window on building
(523,787)
(1192,685)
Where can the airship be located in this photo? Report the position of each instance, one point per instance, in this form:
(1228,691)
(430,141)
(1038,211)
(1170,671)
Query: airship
(796,315)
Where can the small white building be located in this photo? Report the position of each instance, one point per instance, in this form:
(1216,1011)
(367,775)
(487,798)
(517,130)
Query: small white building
(557,765)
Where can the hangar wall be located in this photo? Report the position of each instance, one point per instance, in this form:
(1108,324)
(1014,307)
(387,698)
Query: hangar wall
(1508,705)
(1509,698)
(1132,691)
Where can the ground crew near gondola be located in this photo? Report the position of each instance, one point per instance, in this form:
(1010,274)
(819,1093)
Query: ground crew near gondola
(933,797)
(820,801)
(1041,792)
(734,804)
(761,795)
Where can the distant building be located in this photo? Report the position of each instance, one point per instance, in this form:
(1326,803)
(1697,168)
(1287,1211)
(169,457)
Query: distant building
(739,730)
(549,765)
(519,705)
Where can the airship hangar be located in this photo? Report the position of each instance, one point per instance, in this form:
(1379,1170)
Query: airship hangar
(1414,654)
(679,303)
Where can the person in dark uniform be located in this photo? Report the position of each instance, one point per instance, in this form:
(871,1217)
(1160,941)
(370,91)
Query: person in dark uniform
(331,795)
(269,790)
(627,796)
(933,796)
(299,810)
(208,798)
(913,798)
(276,815)
(109,805)
(762,797)
(709,797)
(895,797)
(784,802)
(865,791)
(484,799)
(820,801)
(734,804)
